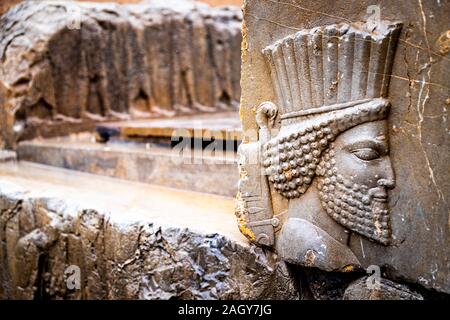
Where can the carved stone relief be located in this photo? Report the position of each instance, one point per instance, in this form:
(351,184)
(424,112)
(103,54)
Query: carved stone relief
(406,68)
(323,145)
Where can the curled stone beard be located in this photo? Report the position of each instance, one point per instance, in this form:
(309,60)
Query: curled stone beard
(350,204)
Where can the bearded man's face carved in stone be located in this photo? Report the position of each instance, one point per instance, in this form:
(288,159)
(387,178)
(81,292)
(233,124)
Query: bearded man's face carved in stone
(355,174)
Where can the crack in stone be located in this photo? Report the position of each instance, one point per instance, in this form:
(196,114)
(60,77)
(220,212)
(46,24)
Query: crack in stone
(421,103)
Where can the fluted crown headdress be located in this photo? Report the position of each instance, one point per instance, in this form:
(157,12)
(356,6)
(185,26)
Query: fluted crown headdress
(327,68)
(326,81)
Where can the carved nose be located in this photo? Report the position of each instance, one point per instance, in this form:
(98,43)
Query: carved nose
(387,183)
(388,178)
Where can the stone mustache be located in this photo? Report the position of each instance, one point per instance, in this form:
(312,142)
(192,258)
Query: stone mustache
(322,146)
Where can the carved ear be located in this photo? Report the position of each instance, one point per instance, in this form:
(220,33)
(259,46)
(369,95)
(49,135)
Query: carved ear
(266,114)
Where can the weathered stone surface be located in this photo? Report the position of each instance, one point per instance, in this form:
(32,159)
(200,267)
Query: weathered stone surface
(147,162)
(135,241)
(129,241)
(414,246)
(4,6)
(7,155)
(224,126)
(65,65)
(386,290)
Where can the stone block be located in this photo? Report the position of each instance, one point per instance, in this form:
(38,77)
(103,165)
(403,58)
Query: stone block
(324,83)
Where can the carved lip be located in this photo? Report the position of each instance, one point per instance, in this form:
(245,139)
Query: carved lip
(380,197)
(379,194)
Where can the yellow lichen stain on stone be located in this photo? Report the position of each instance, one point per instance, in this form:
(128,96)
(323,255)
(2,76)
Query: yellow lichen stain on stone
(378,229)
(348,268)
(310,258)
(244,43)
(443,42)
(240,205)
(241,111)
(288,174)
(246,231)
(244,48)
(240,214)
(243,174)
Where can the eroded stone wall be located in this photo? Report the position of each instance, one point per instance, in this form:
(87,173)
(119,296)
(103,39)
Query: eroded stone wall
(65,65)
(4,6)
(417,125)
(41,237)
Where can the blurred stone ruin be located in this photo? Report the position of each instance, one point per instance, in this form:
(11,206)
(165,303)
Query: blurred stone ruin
(66,65)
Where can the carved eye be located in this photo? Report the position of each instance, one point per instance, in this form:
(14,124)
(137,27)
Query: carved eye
(366,154)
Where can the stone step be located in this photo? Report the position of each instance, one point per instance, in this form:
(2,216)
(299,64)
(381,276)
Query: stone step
(7,155)
(127,240)
(180,167)
(125,199)
(222,126)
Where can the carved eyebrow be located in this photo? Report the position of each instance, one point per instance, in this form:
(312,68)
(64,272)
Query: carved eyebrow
(381,147)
